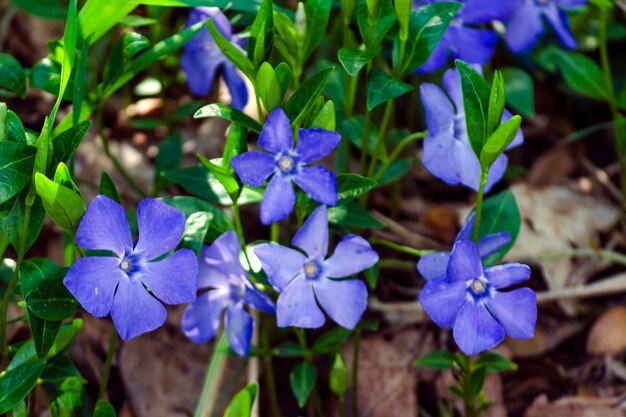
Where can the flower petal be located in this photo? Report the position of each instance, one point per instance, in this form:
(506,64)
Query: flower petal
(200,68)
(571,3)
(296,306)
(173,280)
(105,226)
(558,21)
(468,165)
(477,12)
(319,183)
(202,318)
(438,108)
(236,85)
(252,296)
(434,265)
(135,311)
(496,172)
(281,264)
(476,46)
(524,28)
(452,83)
(239,327)
(467,230)
(439,157)
(344,301)
(516,311)
(442,300)
(492,243)
(314,144)
(254,167)
(276,136)
(92,281)
(219,263)
(278,199)
(506,275)
(465,263)
(352,255)
(160,228)
(312,237)
(475,330)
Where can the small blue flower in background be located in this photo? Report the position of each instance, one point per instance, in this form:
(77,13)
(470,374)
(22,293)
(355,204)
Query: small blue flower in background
(302,279)
(285,164)
(447,152)
(525,26)
(119,284)
(470,302)
(202,57)
(230,288)
(435,265)
(464,41)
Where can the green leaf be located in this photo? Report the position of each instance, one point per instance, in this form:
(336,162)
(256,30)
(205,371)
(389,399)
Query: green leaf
(66,142)
(325,118)
(519,90)
(15,129)
(426,27)
(261,39)
(353,60)
(46,75)
(352,214)
(476,380)
(221,222)
(499,141)
(351,186)
(236,143)
(43,332)
(107,188)
(403,13)
(49,9)
(41,283)
(283,75)
(268,87)
(385,18)
(495,362)
(80,82)
(13,217)
(476,94)
(169,157)
(496,103)
(64,205)
(302,379)
(500,214)
(242,403)
(96,17)
(382,87)
(303,99)
(226,112)
(331,341)
(16,168)
(15,384)
(129,45)
(104,409)
(317,14)
(435,360)
(196,229)
(233,54)
(339,376)
(289,350)
(12,75)
(396,170)
(225,176)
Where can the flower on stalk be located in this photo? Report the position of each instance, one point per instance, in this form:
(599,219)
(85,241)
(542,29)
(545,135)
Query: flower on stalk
(306,280)
(470,302)
(229,288)
(447,151)
(435,265)
(462,39)
(131,285)
(284,164)
(202,58)
(525,26)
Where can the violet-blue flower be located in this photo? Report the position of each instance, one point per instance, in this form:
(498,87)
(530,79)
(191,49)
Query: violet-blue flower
(306,280)
(463,39)
(526,26)
(284,164)
(447,152)
(229,288)
(435,265)
(202,58)
(470,302)
(131,285)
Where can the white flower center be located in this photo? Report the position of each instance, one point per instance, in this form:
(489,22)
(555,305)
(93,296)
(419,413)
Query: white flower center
(310,269)
(285,163)
(125,265)
(478,286)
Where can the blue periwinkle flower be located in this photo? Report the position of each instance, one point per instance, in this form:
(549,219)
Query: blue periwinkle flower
(284,164)
(302,279)
(435,265)
(463,39)
(525,26)
(470,302)
(447,151)
(202,57)
(229,288)
(131,285)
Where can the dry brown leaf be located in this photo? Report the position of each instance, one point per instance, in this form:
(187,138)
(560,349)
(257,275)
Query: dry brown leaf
(547,337)
(608,333)
(551,166)
(574,407)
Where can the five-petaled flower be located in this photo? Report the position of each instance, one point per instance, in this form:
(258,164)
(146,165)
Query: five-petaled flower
(202,58)
(130,284)
(447,152)
(220,271)
(525,26)
(285,164)
(469,301)
(463,39)
(435,265)
(302,279)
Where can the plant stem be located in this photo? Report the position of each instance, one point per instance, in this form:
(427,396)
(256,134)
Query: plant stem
(403,143)
(212,379)
(269,369)
(355,373)
(365,142)
(274,232)
(479,204)
(106,373)
(400,248)
(4,310)
(238,225)
(381,138)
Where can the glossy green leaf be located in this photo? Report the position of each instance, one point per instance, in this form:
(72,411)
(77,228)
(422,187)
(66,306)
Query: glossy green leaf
(331,341)
(221,222)
(495,362)
(403,13)
(234,55)
(352,214)
(325,118)
(226,177)
(107,188)
(353,60)
(283,75)
(499,141)
(339,376)
(41,283)
(268,87)
(261,40)
(317,14)
(226,112)
(43,332)
(13,217)
(302,379)
(500,213)
(351,186)
(496,103)
(196,228)
(519,90)
(477,380)
(435,360)
(12,75)
(383,87)
(16,168)
(15,384)
(476,94)
(64,205)
(242,403)
(129,45)
(385,17)
(15,129)
(96,17)
(66,142)
(303,99)
(169,157)
(104,409)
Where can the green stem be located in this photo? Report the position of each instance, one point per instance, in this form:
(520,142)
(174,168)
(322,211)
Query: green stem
(355,373)
(365,142)
(212,379)
(394,155)
(342,406)
(479,204)
(400,248)
(274,232)
(238,225)
(381,138)
(4,309)
(106,373)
